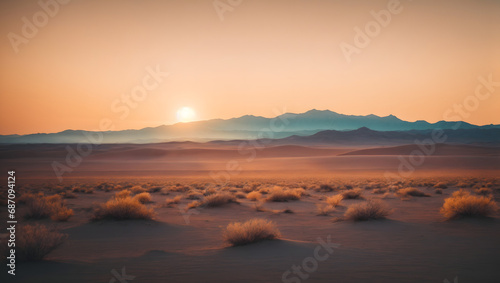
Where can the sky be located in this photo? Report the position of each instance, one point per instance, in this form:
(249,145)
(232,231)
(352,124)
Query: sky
(141,63)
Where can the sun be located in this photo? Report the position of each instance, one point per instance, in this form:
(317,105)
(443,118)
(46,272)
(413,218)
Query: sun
(186,114)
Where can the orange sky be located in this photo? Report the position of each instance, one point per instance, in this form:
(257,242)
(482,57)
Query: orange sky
(264,55)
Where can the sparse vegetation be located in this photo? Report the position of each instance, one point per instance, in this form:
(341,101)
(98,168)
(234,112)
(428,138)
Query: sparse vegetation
(48,206)
(254,196)
(251,231)
(143,197)
(484,191)
(35,242)
(371,209)
(352,194)
(279,194)
(335,200)
(324,210)
(169,202)
(463,204)
(122,209)
(414,192)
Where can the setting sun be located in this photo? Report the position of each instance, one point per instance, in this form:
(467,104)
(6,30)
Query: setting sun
(186,114)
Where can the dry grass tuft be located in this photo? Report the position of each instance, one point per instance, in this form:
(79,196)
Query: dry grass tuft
(335,200)
(414,192)
(324,210)
(123,194)
(279,194)
(254,196)
(50,206)
(352,194)
(219,199)
(143,197)
(483,191)
(122,209)
(441,185)
(372,209)
(34,242)
(251,231)
(169,202)
(463,204)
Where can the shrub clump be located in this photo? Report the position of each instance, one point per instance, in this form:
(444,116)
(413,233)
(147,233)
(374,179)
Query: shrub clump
(414,192)
(463,204)
(372,209)
(219,199)
(143,197)
(49,206)
(279,194)
(34,242)
(251,231)
(335,200)
(169,202)
(122,209)
(254,196)
(352,194)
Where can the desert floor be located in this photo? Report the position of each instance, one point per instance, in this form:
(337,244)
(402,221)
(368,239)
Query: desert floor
(415,243)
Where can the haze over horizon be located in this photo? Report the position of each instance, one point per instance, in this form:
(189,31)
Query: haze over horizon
(261,58)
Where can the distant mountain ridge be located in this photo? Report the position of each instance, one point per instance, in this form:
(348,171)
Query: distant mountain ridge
(248,127)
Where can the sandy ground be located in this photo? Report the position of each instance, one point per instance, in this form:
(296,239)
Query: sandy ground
(414,244)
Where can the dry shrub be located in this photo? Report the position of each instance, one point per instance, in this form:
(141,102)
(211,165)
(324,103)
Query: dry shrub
(194,204)
(438,191)
(441,185)
(123,194)
(352,194)
(372,209)
(462,204)
(169,202)
(279,194)
(122,209)
(50,206)
(38,208)
(143,197)
(414,192)
(34,242)
(254,196)
(251,231)
(334,200)
(483,191)
(219,199)
(326,188)
(324,210)
(165,191)
(137,189)
(194,195)
(209,191)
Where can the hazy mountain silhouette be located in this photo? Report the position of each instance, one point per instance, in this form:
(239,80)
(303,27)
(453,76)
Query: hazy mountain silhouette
(252,127)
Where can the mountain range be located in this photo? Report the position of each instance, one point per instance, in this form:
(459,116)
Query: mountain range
(309,127)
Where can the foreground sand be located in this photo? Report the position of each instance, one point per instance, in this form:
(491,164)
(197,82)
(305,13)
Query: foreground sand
(414,244)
